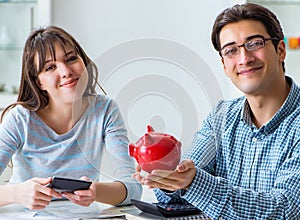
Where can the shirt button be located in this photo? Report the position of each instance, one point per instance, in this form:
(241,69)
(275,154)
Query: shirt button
(254,139)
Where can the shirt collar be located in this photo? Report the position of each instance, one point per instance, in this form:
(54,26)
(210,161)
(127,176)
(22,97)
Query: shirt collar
(246,113)
(288,106)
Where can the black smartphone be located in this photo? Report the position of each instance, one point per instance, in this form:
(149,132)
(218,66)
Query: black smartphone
(167,210)
(60,184)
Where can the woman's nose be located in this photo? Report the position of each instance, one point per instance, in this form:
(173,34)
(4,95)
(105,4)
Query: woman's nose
(64,70)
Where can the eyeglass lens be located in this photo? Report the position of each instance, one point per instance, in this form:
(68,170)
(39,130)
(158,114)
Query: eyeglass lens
(251,45)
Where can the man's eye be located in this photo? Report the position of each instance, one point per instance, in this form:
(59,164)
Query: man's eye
(254,44)
(230,51)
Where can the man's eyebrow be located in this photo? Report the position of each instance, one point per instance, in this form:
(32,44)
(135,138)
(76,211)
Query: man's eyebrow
(228,44)
(247,39)
(255,36)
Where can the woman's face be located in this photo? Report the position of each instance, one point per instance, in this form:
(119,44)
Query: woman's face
(65,78)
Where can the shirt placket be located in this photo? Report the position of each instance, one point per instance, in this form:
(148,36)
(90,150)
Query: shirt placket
(256,151)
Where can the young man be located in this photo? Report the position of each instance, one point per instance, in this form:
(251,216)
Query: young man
(245,162)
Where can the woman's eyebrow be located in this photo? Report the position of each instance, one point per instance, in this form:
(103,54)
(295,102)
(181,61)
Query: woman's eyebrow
(66,54)
(70,52)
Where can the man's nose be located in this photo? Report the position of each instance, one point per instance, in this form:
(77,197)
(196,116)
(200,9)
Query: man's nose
(245,56)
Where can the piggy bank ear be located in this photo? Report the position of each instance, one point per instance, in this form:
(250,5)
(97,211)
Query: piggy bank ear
(148,140)
(149,128)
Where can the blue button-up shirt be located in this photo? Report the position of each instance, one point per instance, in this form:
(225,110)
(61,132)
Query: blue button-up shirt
(245,172)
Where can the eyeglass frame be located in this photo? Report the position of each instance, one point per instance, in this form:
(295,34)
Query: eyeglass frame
(244,44)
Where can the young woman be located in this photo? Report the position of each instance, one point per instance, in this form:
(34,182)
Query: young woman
(59,126)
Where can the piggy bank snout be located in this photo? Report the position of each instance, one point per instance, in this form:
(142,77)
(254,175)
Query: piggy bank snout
(132,148)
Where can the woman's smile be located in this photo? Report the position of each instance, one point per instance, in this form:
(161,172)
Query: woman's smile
(70,83)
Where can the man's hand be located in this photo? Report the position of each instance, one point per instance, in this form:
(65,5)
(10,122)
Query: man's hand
(181,178)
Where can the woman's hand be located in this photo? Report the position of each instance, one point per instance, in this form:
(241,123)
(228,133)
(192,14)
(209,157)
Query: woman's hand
(137,174)
(181,178)
(82,197)
(33,193)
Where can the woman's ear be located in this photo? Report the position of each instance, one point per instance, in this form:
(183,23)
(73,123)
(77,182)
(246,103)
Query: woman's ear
(39,84)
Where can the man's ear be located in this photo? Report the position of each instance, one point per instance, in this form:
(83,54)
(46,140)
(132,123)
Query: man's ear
(281,50)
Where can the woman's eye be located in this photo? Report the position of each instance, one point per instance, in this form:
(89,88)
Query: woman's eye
(49,68)
(72,59)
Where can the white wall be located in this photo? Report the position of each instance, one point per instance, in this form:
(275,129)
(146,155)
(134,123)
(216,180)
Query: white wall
(158,52)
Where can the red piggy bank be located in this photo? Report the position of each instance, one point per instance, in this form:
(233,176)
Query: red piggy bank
(156,151)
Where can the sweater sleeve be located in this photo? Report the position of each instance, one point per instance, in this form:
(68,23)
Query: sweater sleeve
(10,135)
(116,143)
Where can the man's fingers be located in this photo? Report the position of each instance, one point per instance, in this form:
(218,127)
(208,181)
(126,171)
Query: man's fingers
(185,165)
(162,184)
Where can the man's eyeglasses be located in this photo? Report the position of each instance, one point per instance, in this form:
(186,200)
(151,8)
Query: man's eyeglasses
(255,43)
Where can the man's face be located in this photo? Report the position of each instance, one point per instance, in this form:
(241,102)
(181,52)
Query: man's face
(254,72)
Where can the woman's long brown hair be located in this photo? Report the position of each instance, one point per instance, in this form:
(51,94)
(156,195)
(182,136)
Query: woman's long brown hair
(38,44)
